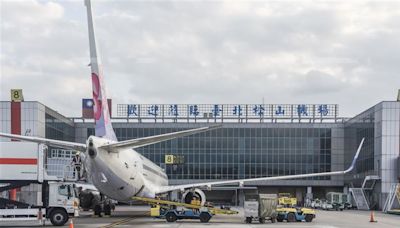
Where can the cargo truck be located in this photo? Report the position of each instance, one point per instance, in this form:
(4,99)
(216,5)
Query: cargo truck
(261,209)
(23,165)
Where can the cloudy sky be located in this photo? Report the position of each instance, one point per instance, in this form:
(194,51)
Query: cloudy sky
(337,52)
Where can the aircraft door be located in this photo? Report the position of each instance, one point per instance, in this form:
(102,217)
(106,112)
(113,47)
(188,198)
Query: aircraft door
(135,168)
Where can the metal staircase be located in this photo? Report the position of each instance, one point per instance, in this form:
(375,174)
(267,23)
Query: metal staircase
(359,198)
(369,182)
(360,194)
(390,200)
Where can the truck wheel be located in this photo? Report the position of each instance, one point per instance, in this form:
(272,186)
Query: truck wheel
(309,218)
(248,219)
(280,218)
(291,217)
(170,217)
(273,220)
(204,217)
(261,220)
(58,217)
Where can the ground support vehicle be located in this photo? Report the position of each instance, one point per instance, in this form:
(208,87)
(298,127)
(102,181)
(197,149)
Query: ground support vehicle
(286,199)
(171,214)
(326,205)
(172,211)
(42,196)
(339,200)
(317,203)
(262,209)
(295,214)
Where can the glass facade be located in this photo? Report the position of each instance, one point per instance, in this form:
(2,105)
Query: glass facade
(58,129)
(238,152)
(361,126)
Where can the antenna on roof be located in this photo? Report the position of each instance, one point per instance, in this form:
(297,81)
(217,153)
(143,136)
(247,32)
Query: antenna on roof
(398,95)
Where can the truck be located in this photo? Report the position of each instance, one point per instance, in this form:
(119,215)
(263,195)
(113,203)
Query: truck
(261,209)
(292,214)
(41,196)
(285,199)
(339,200)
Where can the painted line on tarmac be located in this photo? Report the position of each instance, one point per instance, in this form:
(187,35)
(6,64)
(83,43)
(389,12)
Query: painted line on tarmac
(123,221)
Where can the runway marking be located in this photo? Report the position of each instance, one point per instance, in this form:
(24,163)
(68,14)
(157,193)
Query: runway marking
(123,221)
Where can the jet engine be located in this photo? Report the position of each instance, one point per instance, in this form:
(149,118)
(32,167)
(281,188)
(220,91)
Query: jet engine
(189,194)
(91,150)
(88,199)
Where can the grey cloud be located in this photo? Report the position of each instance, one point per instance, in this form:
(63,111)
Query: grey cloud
(204,52)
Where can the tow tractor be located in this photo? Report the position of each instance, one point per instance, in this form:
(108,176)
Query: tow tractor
(292,214)
(172,211)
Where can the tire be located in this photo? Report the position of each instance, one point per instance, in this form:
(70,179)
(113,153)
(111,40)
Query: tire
(309,218)
(280,218)
(58,217)
(170,217)
(97,210)
(248,219)
(273,220)
(261,220)
(107,209)
(291,217)
(205,217)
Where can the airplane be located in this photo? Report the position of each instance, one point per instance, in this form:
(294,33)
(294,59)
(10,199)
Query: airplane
(116,169)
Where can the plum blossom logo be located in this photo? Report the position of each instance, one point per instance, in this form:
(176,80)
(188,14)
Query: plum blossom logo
(96,93)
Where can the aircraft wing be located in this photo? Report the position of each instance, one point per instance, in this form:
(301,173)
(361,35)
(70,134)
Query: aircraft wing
(140,142)
(164,189)
(50,142)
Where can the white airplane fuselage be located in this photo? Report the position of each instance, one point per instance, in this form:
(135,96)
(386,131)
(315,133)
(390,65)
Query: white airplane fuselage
(122,174)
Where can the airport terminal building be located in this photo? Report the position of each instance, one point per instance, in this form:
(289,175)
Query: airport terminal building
(255,140)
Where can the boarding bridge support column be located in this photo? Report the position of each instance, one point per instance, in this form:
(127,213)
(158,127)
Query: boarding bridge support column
(309,197)
(241,197)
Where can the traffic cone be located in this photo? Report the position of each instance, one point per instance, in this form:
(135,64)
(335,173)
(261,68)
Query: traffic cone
(71,224)
(372,219)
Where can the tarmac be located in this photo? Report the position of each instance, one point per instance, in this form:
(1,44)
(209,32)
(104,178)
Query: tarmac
(138,217)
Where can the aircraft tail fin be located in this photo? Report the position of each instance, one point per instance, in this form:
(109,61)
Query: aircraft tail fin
(100,108)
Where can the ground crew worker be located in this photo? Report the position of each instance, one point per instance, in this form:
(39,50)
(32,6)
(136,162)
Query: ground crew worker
(76,163)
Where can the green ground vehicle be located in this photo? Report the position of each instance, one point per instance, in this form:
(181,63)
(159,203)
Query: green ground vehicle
(339,200)
(291,214)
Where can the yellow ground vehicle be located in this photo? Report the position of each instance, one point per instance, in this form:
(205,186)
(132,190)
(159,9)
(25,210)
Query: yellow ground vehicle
(285,199)
(291,214)
(173,211)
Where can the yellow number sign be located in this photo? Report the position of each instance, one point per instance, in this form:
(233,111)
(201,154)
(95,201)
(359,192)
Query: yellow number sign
(169,159)
(16,95)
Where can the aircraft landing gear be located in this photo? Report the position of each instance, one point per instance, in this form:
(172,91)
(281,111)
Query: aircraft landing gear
(105,206)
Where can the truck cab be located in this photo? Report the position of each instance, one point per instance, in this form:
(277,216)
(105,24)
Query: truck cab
(62,202)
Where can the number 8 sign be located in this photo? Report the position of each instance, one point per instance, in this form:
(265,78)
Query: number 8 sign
(16,95)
